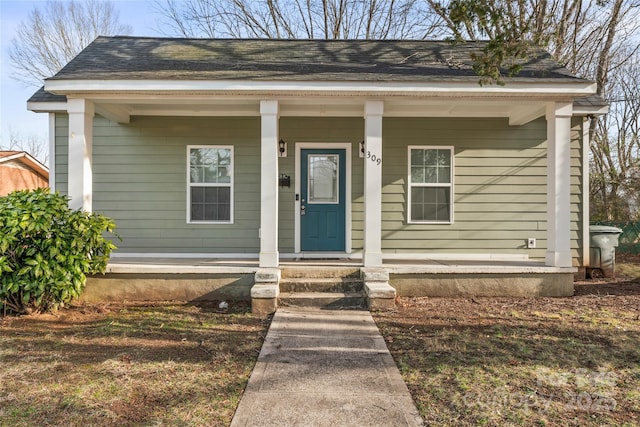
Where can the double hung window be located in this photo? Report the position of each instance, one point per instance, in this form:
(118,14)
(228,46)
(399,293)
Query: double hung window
(430,184)
(210,184)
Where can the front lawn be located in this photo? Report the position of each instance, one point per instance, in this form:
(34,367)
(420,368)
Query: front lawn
(177,365)
(522,362)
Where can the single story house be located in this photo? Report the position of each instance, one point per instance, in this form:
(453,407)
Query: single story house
(19,170)
(376,151)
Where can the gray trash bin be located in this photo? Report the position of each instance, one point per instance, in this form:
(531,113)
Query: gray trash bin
(602,251)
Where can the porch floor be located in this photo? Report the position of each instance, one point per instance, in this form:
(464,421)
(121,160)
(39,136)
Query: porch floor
(200,278)
(140,265)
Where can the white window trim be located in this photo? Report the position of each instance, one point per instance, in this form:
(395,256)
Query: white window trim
(231,184)
(445,185)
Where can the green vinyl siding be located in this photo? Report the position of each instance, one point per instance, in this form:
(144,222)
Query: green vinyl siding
(61,159)
(140,180)
(499,187)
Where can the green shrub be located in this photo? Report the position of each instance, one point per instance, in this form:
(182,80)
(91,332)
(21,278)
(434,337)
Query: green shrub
(47,249)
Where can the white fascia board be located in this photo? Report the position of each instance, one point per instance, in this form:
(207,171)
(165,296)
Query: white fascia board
(63,87)
(47,107)
(28,160)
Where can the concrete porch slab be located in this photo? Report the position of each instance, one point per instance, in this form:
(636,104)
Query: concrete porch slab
(190,279)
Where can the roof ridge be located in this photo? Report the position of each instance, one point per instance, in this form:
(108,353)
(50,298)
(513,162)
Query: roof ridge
(266,40)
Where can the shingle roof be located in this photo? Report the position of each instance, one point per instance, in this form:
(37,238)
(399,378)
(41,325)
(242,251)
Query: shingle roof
(43,96)
(138,58)
(594,101)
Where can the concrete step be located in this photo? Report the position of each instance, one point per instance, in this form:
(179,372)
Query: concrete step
(323,272)
(335,300)
(332,284)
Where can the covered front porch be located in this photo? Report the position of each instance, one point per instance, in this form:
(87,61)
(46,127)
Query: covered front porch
(556,225)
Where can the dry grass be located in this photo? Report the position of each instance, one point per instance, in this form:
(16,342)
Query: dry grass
(522,362)
(176,365)
(486,361)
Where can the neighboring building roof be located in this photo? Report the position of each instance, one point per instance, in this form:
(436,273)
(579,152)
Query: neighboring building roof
(25,158)
(139,58)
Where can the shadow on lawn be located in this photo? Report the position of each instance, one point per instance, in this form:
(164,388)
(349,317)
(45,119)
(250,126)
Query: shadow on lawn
(138,333)
(494,345)
(601,287)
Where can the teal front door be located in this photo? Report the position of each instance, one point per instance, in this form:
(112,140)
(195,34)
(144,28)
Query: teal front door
(322,200)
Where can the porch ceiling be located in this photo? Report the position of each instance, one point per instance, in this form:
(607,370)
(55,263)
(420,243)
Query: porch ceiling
(518,111)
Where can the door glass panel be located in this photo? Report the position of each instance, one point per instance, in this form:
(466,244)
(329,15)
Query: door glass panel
(323,178)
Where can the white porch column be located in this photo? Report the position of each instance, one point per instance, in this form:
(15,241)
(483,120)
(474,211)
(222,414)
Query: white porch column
(269,184)
(559,184)
(372,253)
(80,176)
(586,148)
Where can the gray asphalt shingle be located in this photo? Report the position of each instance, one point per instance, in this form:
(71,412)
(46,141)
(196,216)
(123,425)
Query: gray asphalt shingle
(138,58)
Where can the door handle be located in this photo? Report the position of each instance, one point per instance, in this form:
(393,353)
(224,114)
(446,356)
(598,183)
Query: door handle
(303,210)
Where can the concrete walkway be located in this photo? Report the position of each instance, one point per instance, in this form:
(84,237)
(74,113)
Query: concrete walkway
(325,368)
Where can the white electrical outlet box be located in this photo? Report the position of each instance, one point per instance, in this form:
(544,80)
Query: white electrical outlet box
(531,243)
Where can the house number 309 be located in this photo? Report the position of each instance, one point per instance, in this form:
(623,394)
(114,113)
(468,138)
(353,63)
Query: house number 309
(377,160)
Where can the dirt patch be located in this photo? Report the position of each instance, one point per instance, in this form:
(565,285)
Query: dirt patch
(113,365)
(523,361)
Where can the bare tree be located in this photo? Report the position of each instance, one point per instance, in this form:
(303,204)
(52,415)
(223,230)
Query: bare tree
(32,144)
(595,40)
(615,150)
(302,19)
(55,34)
(588,37)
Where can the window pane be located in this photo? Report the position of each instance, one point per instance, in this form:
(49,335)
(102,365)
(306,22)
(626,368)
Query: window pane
(417,174)
(430,166)
(224,195)
(197,194)
(444,174)
(211,173)
(430,157)
(417,213)
(444,158)
(197,212)
(430,204)
(210,203)
(210,165)
(417,157)
(224,173)
(197,174)
(430,174)
(323,178)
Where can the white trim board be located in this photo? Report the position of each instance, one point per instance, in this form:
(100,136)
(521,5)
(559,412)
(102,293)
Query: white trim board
(575,88)
(354,255)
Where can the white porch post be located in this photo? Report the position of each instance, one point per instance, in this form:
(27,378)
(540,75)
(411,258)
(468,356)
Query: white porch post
(586,148)
(269,184)
(80,176)
(52,152)
(372,253)
(558,116)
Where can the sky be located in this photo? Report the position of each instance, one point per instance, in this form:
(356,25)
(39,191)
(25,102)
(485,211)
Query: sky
(14,116)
